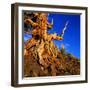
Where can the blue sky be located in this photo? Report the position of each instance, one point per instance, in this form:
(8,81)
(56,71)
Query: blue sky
(71,37)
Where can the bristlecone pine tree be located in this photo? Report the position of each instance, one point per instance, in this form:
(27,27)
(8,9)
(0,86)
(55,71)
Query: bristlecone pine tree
(41,56)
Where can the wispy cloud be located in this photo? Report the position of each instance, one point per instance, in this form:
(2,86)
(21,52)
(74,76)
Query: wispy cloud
(67,46)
